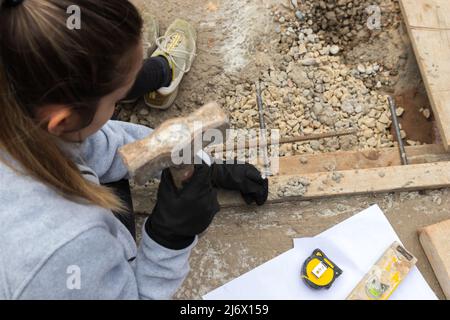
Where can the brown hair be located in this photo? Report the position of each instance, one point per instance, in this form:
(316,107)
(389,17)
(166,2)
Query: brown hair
(44,62)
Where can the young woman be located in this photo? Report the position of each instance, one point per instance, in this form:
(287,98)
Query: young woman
(58,90)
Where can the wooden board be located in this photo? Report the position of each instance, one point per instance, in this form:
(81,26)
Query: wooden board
(317,167)
(428,24)
(385,276)
(354,182)
(348,160)
(435,241)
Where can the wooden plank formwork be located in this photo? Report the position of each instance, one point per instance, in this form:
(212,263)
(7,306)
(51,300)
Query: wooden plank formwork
(355,173)
(435,241)
(428,24)
(345,173)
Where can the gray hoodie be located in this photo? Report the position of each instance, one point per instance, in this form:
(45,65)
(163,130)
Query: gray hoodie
(53,248)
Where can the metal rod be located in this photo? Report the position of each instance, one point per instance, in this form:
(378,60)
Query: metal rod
(316,136)
(262,126)
(401,146)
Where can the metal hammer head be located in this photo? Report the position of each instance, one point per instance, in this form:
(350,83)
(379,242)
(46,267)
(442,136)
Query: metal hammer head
(146,158)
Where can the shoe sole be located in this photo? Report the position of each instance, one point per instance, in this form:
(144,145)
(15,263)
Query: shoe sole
(129,101)
(167,105)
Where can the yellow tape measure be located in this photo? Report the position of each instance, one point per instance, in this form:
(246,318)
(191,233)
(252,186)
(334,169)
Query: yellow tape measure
(319,272)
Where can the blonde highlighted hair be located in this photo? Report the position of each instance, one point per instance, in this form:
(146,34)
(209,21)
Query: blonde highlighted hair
(43,62)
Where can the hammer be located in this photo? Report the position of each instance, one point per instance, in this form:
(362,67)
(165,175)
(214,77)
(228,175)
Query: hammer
(148,157)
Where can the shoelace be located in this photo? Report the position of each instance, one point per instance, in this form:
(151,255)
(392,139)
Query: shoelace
(178,53)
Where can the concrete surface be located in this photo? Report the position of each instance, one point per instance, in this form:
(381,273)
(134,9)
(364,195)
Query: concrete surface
(241,239)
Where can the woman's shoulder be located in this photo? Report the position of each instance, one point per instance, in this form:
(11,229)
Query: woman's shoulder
(23,196)
(36,221)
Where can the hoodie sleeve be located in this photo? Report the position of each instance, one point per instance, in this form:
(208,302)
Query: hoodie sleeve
(93,267)
(99,151)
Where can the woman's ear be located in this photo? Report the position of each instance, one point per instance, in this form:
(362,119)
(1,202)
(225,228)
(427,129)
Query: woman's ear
(58,118)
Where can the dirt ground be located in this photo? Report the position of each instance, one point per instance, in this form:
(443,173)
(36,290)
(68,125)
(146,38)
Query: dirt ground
(239,41)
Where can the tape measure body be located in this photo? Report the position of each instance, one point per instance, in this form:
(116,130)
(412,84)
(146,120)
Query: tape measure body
(319,272)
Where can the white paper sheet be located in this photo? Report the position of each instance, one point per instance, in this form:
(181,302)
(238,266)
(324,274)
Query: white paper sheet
(354,245)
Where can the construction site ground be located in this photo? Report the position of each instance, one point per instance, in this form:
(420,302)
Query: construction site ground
(336,80)
(241,239)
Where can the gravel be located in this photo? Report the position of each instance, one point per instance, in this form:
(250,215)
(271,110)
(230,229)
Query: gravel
(293,188)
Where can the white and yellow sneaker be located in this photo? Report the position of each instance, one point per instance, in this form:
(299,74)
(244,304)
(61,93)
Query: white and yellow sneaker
(178,46)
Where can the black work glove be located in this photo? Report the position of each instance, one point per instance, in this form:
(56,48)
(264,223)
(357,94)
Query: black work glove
(180,215)
(244,178)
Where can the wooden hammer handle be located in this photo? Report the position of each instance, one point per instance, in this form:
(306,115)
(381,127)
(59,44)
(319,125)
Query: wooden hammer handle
(181,174)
